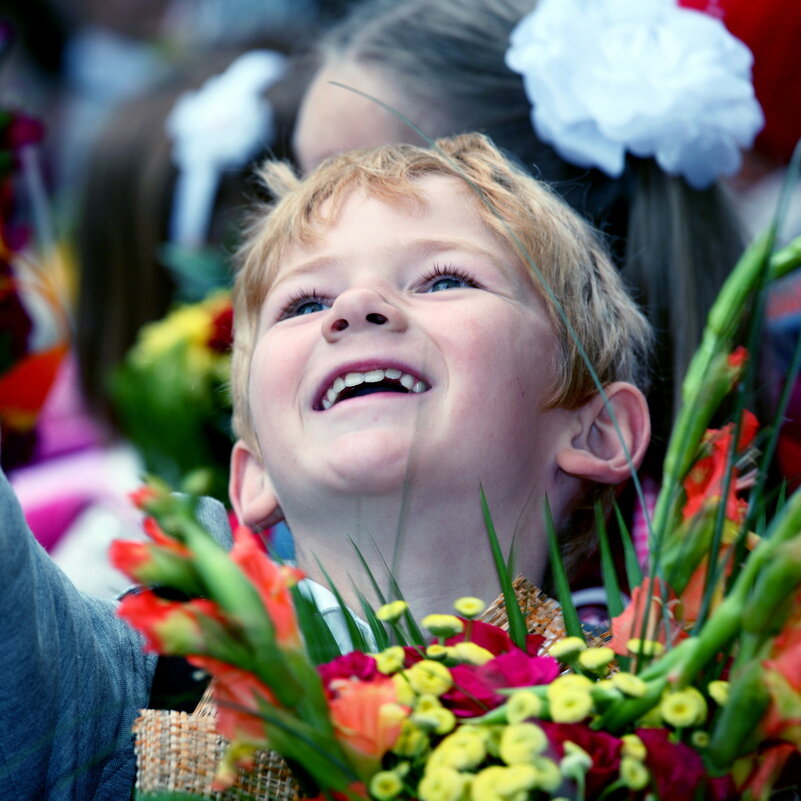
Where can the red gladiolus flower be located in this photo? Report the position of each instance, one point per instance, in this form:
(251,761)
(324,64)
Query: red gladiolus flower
(767,769)
(169,627)
(704,482)
(273,583)
(237,694)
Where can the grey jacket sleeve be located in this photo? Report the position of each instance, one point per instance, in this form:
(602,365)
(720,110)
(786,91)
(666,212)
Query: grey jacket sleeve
(74,676)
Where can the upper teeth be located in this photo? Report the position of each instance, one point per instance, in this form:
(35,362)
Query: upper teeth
(350,380)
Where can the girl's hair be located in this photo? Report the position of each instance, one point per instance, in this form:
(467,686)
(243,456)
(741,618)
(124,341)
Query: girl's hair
(674,245)
(583,290)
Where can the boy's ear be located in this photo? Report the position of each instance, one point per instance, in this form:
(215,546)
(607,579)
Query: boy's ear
(251,491)
(597,452)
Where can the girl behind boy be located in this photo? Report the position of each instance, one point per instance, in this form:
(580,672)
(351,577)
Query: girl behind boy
(446,65)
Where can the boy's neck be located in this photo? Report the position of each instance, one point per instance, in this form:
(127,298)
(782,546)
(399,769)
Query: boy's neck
(436,548)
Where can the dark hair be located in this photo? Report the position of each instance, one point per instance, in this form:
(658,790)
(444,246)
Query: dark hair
(674,245)
(123,221)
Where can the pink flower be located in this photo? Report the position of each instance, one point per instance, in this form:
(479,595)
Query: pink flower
(475,687)
(355,665)
(493,638)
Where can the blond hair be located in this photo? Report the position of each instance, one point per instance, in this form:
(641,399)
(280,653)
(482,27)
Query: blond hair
(581,287)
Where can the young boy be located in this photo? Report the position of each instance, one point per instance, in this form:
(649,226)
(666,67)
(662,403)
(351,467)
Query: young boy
(394,353)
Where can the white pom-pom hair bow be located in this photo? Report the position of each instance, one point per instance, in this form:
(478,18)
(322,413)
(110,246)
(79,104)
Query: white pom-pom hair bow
(607,77)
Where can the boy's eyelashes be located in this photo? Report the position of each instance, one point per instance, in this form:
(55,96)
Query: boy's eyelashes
(440,278)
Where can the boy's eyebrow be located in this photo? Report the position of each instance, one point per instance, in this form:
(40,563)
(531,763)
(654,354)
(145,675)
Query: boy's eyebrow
(415,247)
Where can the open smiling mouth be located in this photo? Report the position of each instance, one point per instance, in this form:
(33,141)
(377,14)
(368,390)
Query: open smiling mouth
(357,384)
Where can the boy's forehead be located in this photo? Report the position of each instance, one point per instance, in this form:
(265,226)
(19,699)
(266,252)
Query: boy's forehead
(413,198)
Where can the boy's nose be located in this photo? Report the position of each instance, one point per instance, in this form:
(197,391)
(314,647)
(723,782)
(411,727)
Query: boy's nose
(361,309)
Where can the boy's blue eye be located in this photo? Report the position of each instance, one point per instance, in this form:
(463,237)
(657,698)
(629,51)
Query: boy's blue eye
(448,282)
(309,307)
(442,278)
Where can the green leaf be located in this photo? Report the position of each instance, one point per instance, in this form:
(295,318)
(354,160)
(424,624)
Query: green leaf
(517,622)
(633,570)
(320,642)
(563,594)
(376,627)
(614,599)
(354,632)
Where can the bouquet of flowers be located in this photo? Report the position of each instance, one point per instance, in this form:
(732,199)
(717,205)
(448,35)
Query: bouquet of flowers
(171,393)
(696,693)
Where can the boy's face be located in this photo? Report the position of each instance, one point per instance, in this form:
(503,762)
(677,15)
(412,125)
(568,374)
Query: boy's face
(407,344)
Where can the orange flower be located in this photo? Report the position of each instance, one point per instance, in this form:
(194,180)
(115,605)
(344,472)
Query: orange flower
(367,720)
(704,482)
(273,583)
(629,625)
(765,769)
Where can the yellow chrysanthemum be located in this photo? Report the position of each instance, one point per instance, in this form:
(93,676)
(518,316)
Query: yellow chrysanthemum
(576,761)
(521,742)
(436,719)
(463,749)
(633,773)
(385,785)
(469,607)
(567,649)
(719,692)
(404,694)
(596,660)
(683,708)
(522,705)
(471,653)
(700,739)
(441,784)
(390,660)
(571,706)
(633,747)
(439,652)
(429,677)
(629,684)
(392,612)
(570,699)
(412,741)
(648,648)
(443,625)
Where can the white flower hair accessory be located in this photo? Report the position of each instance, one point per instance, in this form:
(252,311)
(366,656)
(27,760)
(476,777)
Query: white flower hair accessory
(220,126)
(644,76)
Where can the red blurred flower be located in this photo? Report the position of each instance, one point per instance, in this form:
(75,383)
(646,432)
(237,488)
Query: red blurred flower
(222,326)
(602,747)
(273,582)
(678,770)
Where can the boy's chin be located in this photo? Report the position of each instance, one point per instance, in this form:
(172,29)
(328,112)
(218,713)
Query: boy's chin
(367,463)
